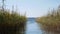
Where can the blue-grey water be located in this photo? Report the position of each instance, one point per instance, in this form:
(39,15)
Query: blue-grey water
(32,27)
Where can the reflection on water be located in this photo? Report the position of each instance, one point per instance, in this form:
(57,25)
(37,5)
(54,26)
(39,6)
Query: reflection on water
(32,27)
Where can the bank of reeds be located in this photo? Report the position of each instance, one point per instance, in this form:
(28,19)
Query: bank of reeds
(10,23)
(51,22)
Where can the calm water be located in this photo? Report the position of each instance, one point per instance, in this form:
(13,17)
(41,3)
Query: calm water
(32,27)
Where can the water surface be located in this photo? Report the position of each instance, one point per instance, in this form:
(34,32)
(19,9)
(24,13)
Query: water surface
(32,27)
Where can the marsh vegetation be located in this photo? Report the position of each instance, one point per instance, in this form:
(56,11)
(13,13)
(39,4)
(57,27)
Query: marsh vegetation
(11,22)
(51,22)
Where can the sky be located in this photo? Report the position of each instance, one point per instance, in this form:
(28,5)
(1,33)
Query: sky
(32,8)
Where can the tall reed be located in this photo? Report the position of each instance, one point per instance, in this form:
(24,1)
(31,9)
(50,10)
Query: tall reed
(51,22)
(10,23)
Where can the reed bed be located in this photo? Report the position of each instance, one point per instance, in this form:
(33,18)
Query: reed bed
(10,23)
(51,22)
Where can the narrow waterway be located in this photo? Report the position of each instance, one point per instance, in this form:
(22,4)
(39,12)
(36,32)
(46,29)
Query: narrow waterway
(32,27)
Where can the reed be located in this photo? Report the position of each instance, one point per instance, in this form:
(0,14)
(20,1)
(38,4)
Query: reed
(51,22)
(10,23)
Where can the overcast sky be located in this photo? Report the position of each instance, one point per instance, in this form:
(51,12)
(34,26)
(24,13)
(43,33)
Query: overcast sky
(33,8)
